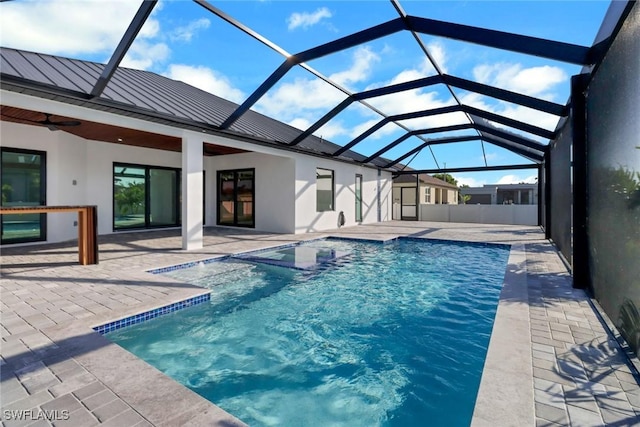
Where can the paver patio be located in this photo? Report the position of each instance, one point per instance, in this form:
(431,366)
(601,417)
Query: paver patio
(550,361)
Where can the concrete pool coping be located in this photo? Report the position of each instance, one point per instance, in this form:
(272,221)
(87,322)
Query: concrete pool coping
(505,396)
(51,360)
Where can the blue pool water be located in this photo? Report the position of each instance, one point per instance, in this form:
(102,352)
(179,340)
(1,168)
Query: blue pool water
(390,335)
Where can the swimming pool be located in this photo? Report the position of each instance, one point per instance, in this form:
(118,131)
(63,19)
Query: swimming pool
(392,334)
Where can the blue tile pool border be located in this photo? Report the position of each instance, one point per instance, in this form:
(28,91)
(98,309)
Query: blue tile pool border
(151,314)
(187,265)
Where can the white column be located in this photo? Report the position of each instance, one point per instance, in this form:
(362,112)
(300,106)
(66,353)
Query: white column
(192,192)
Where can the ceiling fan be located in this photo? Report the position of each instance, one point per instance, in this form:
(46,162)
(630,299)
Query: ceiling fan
(50,124)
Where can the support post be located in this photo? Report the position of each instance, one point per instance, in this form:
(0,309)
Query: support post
(547,193)
(417,197)
(540,194)
(581,274)
(192,191)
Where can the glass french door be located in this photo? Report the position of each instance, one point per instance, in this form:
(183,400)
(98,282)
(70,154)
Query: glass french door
(23,182)
(358,198)
(236,194)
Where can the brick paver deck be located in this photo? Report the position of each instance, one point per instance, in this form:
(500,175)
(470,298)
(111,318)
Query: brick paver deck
(546,337)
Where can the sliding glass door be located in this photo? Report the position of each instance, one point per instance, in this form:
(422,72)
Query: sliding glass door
(163,197)
(236,192)
(129,197)
(23,181)
(145,196)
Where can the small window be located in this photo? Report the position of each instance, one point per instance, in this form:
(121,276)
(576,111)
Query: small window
(324,190)
(427,195)
(358,198)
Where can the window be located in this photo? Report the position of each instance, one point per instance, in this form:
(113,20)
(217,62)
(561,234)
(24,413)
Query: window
(507,197)
(23,182)
(145,196)
(235,198)
(324,190)
(358,198)
(427,195)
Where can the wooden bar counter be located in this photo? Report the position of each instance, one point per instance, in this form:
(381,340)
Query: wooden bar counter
(87,226)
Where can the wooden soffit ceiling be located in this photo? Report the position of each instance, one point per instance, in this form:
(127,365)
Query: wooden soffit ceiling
(106,133)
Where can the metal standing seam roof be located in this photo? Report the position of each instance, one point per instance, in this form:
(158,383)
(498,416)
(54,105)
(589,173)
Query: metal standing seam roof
(150,93)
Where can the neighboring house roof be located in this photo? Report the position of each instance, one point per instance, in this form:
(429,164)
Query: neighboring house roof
(425,179)
(138,93)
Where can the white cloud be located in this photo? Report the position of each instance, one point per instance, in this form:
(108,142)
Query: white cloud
(186,33)
(506,179)
(517,112)
(81,28)
(423,69)
(490,157)
(331,130)
(300,123)
(206,79)
(360,70)
(385,130)
(68,28)
(306,19)
(534,81)
(471,182)
(143,55)
(302,101)
(308,99)
(515,179)
(300,98)
(417,99)
(439,55)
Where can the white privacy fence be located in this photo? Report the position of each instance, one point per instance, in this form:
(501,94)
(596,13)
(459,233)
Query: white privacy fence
(480,214)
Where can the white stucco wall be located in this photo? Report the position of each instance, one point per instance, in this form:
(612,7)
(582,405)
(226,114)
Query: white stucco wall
(100,159)
(66,162)
(88,163)
(274,192)
(307,219)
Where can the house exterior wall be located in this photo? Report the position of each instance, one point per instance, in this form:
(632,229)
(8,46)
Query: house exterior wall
(88,163)
(99,178)
(274,188)
(285,181)
(66,161)
(438,194)
(452,197)
(308,219)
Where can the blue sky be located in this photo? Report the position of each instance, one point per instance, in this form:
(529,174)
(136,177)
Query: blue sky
(182,40)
